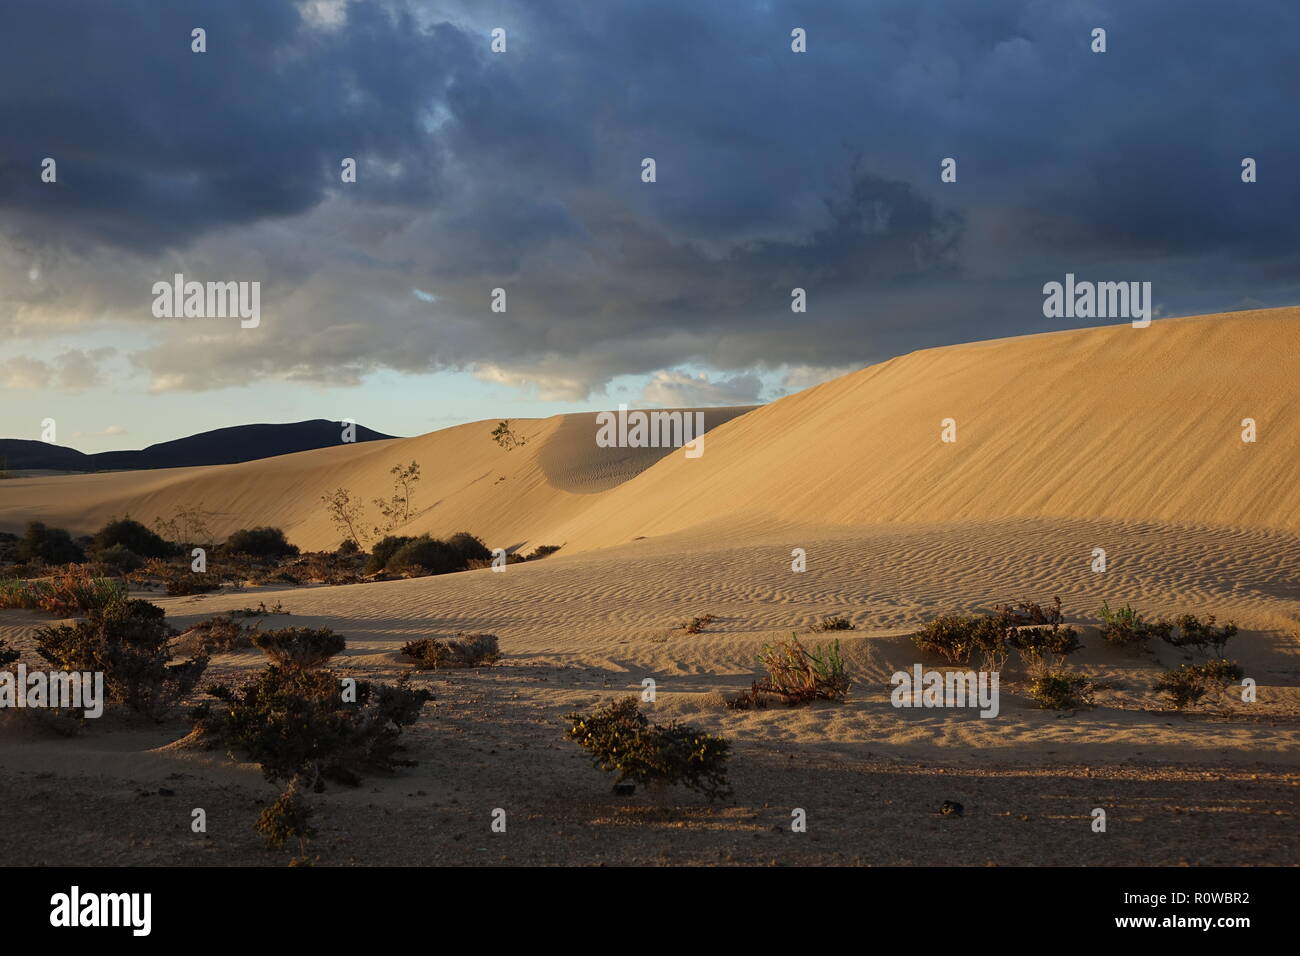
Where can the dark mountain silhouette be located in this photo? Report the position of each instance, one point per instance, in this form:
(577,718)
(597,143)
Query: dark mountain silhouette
(223,446)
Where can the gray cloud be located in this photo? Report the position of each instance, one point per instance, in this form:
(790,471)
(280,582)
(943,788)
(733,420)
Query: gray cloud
(521,171)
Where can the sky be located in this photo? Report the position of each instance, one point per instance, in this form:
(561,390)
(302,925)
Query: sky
(522,170)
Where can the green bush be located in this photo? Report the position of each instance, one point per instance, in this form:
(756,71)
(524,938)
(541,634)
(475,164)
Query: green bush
(464,650)
(1044,642)
(133,536)
(68,592)
(1187,685)
(120,558)
(1204,636)
(216,635)
(1061,690)
(1221,671)
(383,550)
(128,642)
(261,542)
(289,818)
(469,547)
(1123,626)
(294,722)
(800,675)
(620,739)
(299,647)
(956,637)
(427,555)
(51,545)
(1182,687)
(1036,630)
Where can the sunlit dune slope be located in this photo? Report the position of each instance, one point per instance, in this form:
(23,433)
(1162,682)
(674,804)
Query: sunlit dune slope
(1111,422)
(468,482)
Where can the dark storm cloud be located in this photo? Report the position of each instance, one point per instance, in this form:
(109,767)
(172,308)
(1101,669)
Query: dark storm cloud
(157,144)
(522,171)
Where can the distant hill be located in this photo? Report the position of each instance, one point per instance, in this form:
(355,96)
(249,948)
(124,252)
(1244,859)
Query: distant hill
(223,446)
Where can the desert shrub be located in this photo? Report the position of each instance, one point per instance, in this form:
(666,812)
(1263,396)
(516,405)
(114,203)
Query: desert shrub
(189,582)
(469,547)
(128,642)
(1125,625)
(133,535)
(383,550)
(261,542)
(294,722)
(1061,690)
(1221,671)
(176,579)
(327,567)
(833,624)
(428,555)
(288,818)
(542,551)
(800,675)
(751,699)
(1024,613)
(955,637)
(345,513)
(120,558)
(300,647)
(187,527)
(620,739)
(51,545)
(1041,642)
(397,509)
(1188,684)
(75,591)
(696,625)
(216,635)
(1182,687)
(505,436)
(348,548)
(1041,637)
(1035,630)
(260,611)
(16,593)
(464,650)
(7,654)
(1204,636)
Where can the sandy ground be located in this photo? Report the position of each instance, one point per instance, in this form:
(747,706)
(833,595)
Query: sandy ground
(1140,455)
(1217,786)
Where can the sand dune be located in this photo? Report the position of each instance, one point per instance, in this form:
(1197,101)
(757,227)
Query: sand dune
(468,483)
(1148,428)
(1114,422)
